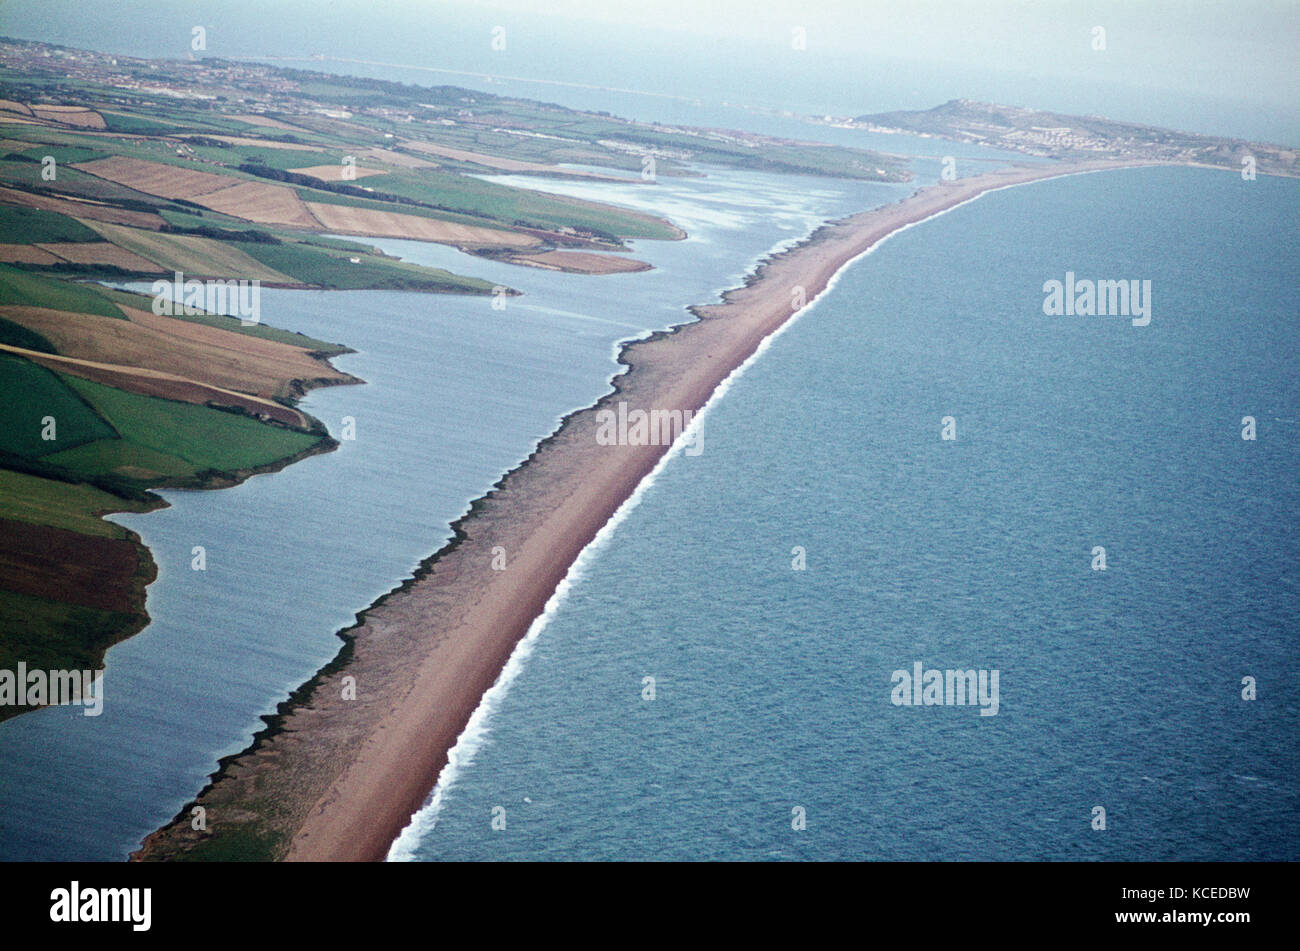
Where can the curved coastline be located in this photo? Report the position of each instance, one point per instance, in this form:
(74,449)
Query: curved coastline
(334,778)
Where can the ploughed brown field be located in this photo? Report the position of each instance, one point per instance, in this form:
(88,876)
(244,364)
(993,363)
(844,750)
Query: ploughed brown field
(99,252)
(267,122)
(66,566)
(396,159)
(207,355)
(25,254)
(261,203)
(259,143)
(154,178)
(71,115)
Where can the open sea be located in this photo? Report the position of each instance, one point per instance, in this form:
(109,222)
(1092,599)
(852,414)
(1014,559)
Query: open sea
(1120,689)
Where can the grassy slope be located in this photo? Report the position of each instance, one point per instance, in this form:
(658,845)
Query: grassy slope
(29,394)
(74,506)
(510,205)
(175,440)
(34,226)
(32,290)
(49,634)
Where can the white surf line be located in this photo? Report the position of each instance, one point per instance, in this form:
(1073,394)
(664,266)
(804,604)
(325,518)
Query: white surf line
(476,732)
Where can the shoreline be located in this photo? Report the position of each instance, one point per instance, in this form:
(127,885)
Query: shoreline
(135,617)
(333,778)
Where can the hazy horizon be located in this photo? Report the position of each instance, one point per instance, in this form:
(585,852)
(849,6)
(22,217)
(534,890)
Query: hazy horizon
(1205,68)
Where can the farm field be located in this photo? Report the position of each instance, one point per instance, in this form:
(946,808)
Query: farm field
(159,439)
(26,254)
(19,287)
(100,253)
(193,351)
(80,208)
(581,262)
(344,219)
(68,505)
(31,396)
(190,254)
(261,203)
(153,178)
(33,226)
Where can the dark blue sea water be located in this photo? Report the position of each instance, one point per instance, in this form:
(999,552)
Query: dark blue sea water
(1120,689)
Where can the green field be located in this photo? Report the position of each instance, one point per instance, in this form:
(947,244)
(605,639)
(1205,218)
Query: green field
(35,226)
(64,154)
(378,204)
(284,159)
(137,125)
(28,394)
(164,439)
(22,288)
(130,460)
(74,506)
(49,634)
(510,205)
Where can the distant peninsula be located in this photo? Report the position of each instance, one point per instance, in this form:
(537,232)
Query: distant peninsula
(1055,135)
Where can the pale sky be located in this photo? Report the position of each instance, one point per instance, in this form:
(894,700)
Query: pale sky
(1192,45)
(1226,66)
